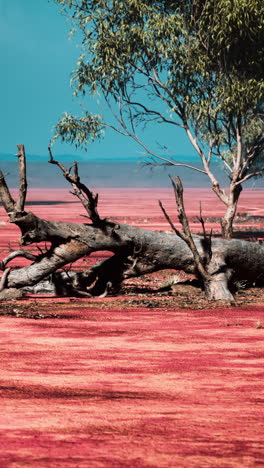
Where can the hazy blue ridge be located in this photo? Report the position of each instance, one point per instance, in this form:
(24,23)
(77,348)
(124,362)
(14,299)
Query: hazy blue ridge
(111,173)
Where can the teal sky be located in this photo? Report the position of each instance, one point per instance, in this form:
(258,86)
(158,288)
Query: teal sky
(36,62)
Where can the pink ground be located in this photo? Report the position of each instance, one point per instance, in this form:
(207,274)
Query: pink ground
(98,385)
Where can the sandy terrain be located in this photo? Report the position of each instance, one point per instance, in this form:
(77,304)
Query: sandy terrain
(133,381)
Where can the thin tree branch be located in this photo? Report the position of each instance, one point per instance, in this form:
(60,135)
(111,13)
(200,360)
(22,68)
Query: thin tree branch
(154,112)
(121,122)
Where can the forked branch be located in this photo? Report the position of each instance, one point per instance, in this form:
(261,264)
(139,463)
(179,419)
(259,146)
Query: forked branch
(186,234)
(88,199)
(211,266)
(9,203)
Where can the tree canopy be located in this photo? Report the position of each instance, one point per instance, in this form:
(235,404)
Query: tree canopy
(196,64)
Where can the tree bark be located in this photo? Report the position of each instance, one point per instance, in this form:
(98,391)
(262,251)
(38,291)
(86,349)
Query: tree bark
(231,208)
(136,252)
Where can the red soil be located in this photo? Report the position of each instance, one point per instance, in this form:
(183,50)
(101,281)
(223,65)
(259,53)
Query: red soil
(135,388)
(96,385)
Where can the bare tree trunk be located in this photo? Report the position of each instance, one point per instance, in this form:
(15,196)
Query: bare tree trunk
(228,218)
(217,285)
(136,252)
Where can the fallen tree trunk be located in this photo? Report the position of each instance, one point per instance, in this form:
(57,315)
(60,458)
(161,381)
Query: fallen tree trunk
(136,252)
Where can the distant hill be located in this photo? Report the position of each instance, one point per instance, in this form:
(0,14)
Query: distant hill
(110,173)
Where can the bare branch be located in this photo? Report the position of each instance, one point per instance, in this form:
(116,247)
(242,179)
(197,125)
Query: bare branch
(225,162)
(216,187)
(5,195)
(88,199)
(4,279)
(210,152)
(173,163)
(249,176)
(207,239)
(9,203)
(121,122)
(252,153)
(15,254)
(201,220)
(186,235)
(20,204)
(154,112)
(115,129)
(156,83)
(179,233)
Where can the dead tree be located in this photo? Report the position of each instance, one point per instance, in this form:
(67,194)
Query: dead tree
(135,251)
(210,266)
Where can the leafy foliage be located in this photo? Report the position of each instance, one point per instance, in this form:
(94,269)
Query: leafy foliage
(203,60)
(79,130)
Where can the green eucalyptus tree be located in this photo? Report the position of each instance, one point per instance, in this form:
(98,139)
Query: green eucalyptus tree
(193,64)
